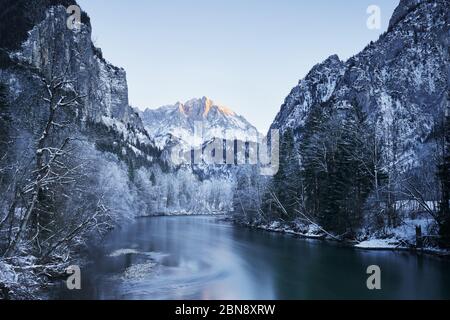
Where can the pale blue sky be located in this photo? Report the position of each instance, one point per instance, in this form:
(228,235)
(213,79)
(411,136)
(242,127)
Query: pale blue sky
(245,54)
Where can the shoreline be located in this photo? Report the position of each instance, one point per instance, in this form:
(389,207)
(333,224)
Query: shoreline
(44,291)
(434,253)
(185,214)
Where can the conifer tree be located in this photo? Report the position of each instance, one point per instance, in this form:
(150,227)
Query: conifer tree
(4,118)
(336,168)
(286,181)
(444,177)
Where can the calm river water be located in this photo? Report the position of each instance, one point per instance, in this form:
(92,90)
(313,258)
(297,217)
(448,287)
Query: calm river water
(205,258)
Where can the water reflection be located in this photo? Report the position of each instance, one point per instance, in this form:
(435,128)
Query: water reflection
(204,258)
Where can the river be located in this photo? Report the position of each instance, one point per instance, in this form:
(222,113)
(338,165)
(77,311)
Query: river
(202,257)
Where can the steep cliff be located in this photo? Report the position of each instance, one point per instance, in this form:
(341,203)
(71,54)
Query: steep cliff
(51,47)
(317,87)
(102,128)
(401,81)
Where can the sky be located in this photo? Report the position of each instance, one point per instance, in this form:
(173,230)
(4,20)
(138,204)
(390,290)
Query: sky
(243,54)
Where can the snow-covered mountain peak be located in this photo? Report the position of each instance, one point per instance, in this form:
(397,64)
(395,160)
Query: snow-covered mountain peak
(201,108)
(179,122)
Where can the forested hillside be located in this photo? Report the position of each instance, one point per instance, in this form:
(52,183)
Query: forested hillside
(75,158)
(363,157)
(365,147)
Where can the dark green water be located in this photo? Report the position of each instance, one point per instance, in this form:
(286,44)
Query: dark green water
(204,258)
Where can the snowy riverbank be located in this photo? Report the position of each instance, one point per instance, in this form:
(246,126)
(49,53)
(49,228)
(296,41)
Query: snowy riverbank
(25,278)
(401,238)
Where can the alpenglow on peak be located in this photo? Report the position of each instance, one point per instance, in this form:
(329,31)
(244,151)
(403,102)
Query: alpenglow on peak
(178,122)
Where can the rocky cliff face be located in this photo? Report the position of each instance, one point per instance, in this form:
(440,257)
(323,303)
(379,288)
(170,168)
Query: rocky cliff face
(52,49)
(103,135)
(404,8)
(52,46)
(317,87)
(401,81)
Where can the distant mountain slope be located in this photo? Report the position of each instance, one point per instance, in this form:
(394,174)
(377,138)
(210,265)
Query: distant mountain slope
(177,122)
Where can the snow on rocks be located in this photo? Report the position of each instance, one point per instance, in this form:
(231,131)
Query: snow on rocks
(138,271)
(122,252)
(378,244)
(401,237)
(7,274)
(296,228)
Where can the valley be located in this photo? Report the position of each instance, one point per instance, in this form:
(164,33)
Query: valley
(357,154)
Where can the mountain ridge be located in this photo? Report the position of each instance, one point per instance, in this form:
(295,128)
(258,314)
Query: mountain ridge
(400,80)
(183,120)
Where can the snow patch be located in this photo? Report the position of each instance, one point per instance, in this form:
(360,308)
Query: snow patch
(122,252)
(139,272)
